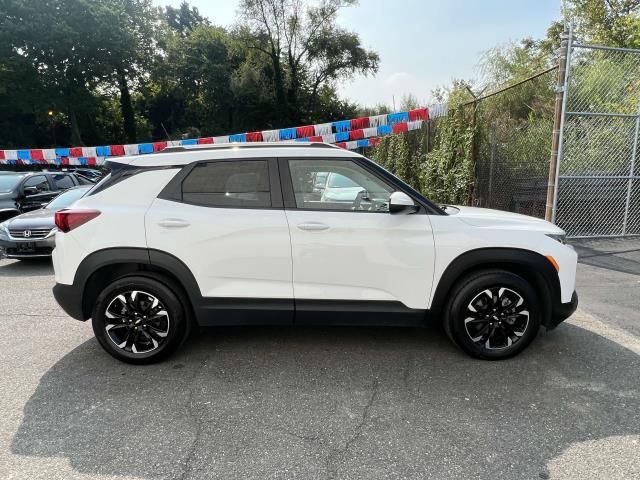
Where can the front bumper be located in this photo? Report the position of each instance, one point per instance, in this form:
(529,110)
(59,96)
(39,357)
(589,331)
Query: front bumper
(69,297)
(562,311)
(36,248)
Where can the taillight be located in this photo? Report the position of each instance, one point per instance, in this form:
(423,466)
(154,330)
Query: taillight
(67,220)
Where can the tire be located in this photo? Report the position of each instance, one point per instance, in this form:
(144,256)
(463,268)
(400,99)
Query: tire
(482,332)
(139,320)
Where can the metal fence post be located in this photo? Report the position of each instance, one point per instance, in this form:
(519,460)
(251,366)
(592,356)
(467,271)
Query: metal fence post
(492,160)
(632,168)
(564,66)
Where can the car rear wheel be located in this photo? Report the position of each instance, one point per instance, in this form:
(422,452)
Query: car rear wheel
(139,320)
(493,314)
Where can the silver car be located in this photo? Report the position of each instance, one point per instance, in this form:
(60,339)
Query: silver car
(32,234)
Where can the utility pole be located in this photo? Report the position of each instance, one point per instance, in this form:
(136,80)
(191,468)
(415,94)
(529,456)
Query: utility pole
(558,125)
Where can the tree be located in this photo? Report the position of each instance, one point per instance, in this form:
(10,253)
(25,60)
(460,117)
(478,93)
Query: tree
(184,18)
(131,45)
(305,46)
(86,44)
(612,22)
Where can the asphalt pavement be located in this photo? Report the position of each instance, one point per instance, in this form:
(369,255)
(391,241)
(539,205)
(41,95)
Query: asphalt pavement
(322,403)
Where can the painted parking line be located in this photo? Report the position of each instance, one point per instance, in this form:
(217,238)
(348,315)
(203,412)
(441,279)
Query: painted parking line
(623,338)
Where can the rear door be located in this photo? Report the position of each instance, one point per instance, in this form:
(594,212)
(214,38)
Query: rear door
(225,220)
(352,260)
(63,181)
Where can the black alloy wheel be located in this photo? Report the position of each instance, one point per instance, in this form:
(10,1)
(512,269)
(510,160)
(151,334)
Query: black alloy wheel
(139,319)
(493,314)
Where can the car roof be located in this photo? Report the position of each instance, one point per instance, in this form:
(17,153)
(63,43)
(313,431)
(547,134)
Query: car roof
(192,153)
(36,172)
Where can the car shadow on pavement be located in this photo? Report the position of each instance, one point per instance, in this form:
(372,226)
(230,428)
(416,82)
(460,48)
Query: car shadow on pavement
(34,267)
(332,403)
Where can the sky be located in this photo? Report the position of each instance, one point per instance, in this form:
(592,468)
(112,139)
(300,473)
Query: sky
(423,44)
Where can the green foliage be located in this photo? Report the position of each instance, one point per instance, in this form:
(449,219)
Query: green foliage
(123,70)
(610,22)
(447,174)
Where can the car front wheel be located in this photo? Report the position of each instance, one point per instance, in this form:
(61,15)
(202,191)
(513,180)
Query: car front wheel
(139,320)
(493,314)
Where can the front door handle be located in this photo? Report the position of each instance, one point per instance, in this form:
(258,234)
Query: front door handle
(173,223)
(313,226)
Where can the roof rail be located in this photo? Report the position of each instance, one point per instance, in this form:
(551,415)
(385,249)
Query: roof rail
(233,145)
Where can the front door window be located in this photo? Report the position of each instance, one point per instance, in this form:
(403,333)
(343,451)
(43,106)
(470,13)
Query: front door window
(337,185)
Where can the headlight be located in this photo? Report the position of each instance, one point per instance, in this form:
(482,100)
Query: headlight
(560,237)
(4,230)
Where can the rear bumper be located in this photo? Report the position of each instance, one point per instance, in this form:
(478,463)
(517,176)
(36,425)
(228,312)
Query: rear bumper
(70,299)
(563,311)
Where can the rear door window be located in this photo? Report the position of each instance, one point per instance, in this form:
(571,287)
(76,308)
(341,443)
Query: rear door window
(62,181)
(228,184)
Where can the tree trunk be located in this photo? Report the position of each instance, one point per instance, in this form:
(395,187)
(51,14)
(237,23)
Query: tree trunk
(128,117)
(294,108)
(76,138)
(281,99)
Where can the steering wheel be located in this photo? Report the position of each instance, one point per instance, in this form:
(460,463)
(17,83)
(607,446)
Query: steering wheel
(362,195)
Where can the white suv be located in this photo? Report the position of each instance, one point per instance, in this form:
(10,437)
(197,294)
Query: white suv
(240,234)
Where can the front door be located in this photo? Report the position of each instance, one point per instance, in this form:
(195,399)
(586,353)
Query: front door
(225,221)
(36,192)
(349,252)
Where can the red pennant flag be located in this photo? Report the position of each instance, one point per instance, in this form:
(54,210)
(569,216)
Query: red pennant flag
(159,146)
(205,140)
(116,150)
(254,136)
(359,123)
(418,114)
(306,131)
(400,127)
(75,152)
(356,134)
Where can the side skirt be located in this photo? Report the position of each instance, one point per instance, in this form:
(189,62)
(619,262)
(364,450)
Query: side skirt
(262,311)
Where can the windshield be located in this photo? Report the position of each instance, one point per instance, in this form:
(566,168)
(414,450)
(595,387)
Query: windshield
(66,199)
(8,182)
(340,181)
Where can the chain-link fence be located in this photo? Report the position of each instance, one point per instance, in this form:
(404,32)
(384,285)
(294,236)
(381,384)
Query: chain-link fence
(514,129)
(598,189)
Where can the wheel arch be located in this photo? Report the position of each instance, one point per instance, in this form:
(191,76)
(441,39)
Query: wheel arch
(530,265)
(105,266)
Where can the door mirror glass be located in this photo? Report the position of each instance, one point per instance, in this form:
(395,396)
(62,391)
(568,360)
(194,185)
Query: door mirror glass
(400,202)
(30,191)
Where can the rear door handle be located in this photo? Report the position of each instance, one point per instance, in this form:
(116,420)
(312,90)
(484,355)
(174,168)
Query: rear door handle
(313,226)
(173,223)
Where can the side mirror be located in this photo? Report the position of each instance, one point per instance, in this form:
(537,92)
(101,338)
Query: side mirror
(400,202)
(30,191)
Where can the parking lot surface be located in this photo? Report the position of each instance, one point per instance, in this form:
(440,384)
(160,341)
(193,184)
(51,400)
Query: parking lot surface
(343,403)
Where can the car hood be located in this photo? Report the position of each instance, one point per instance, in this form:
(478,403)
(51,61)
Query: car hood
(486,217)
(41,218)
